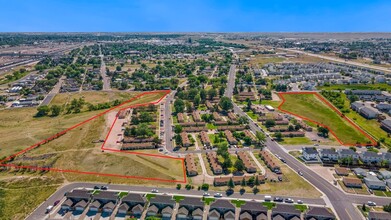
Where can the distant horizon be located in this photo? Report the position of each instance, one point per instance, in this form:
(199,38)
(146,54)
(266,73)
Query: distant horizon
(205,16)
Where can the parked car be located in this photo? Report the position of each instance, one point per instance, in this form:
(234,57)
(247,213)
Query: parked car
(300,173)
(103,187)
(218,195)
(154,190)
(299,202)
(289,200)
(96,187)
(278,199)
(206,194)
(49,209)
(370,203)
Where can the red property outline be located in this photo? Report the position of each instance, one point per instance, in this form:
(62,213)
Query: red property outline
(329,104)
(166,92)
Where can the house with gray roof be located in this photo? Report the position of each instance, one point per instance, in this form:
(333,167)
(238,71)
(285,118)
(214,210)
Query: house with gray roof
(386,125)
(328,155)
(285,211)
(319,213)
(222,206)
(370,157)
(374,183)
(368,112)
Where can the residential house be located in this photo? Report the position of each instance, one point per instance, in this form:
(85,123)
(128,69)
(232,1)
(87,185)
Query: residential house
(310,153)
(352,182)
(106,197)
(80,206)
(386,125)
(223,207)
(181,118)
(357,105)
(108,207)
(253,210)
(319,213)
(370,157)
(196,116)
(360,172)
(285,211)
(188,205)
(374,183)
(368,112)
(185,139)
(385,174)
(230,138)
(191,166)
(77,195)
(347,153)
(94,206)
(328,155)
(374,215)
(214,163)
(342,171)
(67,204)
(270,161)
(135,202)
(248,164)
(123,209)
(205,138)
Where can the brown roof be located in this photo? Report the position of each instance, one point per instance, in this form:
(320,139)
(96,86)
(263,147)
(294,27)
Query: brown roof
(351,181)
(250,167)
(232,116)
(194,129)
(190,124)
(231,139)
(231,128)
(217,116)
(205,138)
(185,139)
(196,116)
(191,166)
(212,157)
(180,117)
(249,134)
(342,171)
(132,146)
(269,160)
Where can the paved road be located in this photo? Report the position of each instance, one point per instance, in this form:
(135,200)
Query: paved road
(231,82)
(387,70)
(341,202)
(105,78)
(56,89)
(39,213)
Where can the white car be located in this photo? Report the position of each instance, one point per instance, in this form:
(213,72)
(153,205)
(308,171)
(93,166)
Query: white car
(370,203)
(154,190)
(218,195)
(206,194)
(299,202)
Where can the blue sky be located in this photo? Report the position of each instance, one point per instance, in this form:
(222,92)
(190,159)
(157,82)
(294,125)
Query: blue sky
(196,15)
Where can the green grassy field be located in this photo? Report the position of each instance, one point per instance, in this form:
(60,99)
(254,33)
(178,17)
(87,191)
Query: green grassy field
(380,86)
(296,141)
(26,192)
(309,106)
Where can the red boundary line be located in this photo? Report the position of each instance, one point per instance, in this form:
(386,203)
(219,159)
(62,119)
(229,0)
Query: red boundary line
(166,92)
(329,104)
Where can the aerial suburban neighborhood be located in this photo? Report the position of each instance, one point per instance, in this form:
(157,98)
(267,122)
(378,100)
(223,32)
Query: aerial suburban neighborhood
(165,125)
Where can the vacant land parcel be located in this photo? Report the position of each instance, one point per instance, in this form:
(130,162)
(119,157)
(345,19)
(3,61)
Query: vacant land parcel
(78,151)
(312,107)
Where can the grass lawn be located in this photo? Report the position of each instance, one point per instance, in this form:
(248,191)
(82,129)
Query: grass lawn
(382,193)
(302,208)
(380,86)
(93,97)
(311,107)
(211,126)
(274,104)
(296,141)
(27,192)
(252,115)
(238,203)
(178,198)
(123,194)
(150,196)
(269,205)
(208,200)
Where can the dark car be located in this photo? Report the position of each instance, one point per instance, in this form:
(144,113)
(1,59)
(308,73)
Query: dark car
(289,200)
(103,187)
(96,187)
(278,199)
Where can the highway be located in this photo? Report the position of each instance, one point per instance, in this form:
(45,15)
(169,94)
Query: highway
(105,78)
(341,202)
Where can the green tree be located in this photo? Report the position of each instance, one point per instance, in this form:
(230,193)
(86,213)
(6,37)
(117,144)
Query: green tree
(179,105)
(269,123)
(243,183)
(278,136)
(226,103)
(197,100)
(256,181)
(231,183)
(42,111)
(55,110)
(239,165)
